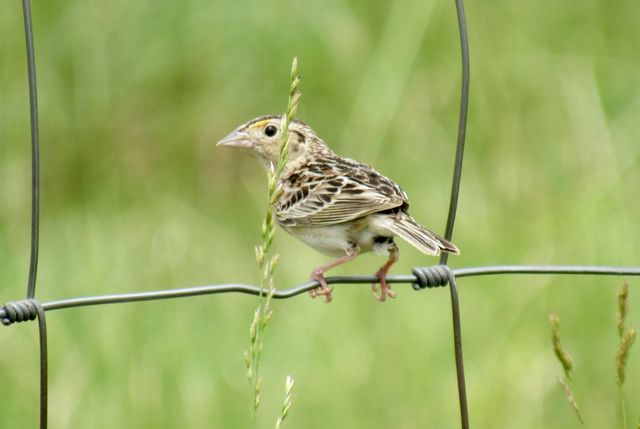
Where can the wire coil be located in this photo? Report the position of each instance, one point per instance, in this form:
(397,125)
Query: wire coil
(19,311)
(429,277)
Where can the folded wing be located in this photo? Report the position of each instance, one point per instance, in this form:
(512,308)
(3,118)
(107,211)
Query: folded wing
(333,191)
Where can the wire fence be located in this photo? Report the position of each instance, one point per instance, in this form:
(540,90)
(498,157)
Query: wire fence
(30,308)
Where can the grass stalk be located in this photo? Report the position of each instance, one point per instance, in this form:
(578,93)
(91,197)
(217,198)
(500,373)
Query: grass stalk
(286,403)
(266,262)
(627,337)
(570,396)
(563,356)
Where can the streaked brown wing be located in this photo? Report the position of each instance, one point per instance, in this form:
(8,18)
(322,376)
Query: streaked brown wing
(333,191)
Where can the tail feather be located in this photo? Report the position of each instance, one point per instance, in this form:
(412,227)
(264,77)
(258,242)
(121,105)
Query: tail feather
(418,236)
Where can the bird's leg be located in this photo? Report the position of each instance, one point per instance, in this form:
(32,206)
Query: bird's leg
(318,275)
(385,289)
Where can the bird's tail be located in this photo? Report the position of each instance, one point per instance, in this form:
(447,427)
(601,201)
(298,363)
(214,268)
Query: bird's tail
(419,237)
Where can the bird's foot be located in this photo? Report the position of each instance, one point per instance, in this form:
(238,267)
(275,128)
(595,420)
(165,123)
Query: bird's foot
(323,290)
(385,289)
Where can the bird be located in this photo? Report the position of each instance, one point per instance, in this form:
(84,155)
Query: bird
(337,206)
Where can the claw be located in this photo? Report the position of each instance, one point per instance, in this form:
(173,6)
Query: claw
(323,290)
(385,289)
(325,293)
(318,275)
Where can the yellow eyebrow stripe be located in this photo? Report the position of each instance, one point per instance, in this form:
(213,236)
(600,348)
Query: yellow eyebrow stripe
(259,124)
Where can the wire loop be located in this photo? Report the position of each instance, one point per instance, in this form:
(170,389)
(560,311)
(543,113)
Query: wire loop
(429,277)
(19,311)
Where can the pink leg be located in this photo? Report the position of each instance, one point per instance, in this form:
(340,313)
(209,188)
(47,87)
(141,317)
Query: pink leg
(385,289)
(318,274)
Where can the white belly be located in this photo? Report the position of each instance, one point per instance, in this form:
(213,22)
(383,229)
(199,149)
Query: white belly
(331,240)
(338,240)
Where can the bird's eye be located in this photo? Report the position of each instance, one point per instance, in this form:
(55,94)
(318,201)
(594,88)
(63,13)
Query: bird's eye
(271,130)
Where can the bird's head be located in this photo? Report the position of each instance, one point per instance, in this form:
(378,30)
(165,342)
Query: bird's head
(262,137)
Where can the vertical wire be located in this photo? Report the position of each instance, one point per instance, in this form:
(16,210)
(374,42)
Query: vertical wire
(35,150)
(44,377)
(35,211)
(457,343)
(462,126)
(453,207)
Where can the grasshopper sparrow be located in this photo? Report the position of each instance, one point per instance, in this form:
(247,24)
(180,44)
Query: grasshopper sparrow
(336,205)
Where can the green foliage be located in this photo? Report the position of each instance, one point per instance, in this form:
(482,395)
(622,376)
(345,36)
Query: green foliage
(135,196)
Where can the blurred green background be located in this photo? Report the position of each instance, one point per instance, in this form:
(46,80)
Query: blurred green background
(136,197)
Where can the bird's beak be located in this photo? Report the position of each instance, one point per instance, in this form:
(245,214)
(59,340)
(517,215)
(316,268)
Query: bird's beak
(238,139)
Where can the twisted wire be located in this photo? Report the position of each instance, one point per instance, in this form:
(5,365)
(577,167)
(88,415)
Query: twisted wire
(19,311)
(428,277)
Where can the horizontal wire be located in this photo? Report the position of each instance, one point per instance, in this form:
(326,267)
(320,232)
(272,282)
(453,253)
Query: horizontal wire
(546,269)
(304,287)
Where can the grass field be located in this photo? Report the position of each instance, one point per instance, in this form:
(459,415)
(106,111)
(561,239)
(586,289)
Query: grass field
(136,197)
